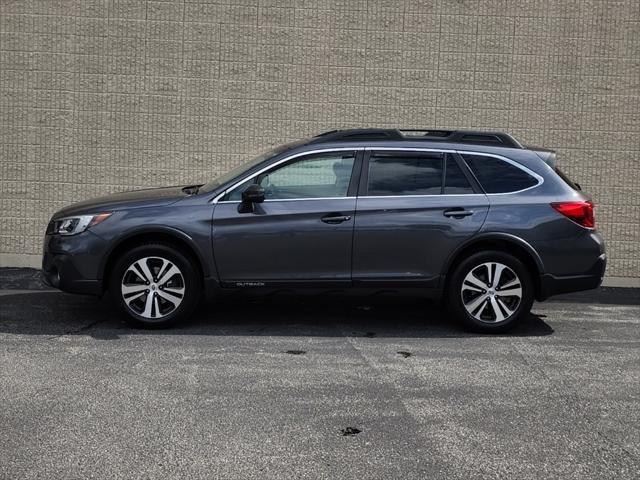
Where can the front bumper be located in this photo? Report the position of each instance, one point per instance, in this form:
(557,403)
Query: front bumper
(554,285)
(71,263)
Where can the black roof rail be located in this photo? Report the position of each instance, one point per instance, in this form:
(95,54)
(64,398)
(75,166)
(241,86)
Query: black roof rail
(496,139)
(356,134)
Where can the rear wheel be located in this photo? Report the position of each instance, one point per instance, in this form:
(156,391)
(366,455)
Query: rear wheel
(155,286)
(490,292)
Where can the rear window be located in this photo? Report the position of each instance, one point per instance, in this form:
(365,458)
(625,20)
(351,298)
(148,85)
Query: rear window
(498,176)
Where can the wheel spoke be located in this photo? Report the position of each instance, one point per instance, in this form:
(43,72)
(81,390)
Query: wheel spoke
(133,297)
(165,264)
(499,316)
(497,274)
(173,270)
(471,288)
(144,268)
(178,290)
(510,283)
(156,306)
(129,289)
(475,281)
(136,271)
(473,305)
(478,312)
(504,307)
(511,292)
(148,307)
(489,268)
(174,299)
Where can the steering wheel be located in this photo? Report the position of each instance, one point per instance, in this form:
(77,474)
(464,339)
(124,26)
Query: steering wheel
(269,188)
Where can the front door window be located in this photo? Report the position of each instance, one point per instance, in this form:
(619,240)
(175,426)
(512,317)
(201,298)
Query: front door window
(325,175)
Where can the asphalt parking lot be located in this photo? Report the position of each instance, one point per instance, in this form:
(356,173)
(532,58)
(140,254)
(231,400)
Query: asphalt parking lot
(279,388)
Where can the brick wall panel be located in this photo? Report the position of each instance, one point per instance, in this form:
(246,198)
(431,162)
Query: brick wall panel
(99,96)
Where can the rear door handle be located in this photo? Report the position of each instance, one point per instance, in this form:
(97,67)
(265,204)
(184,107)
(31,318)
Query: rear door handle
(334,218)
(458,212)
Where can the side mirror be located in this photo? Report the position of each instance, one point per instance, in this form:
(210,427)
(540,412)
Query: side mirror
(254,193)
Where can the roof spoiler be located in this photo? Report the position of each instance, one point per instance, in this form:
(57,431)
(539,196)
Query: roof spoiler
(546,155)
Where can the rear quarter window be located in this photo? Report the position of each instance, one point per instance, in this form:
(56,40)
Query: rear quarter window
(497,176)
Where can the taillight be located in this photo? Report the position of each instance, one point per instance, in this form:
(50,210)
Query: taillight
(579,212)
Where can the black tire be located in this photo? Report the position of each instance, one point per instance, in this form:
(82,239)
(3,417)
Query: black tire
(490,320)
(168,314)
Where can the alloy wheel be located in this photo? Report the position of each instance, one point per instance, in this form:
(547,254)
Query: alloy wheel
(491,292)
(152,287)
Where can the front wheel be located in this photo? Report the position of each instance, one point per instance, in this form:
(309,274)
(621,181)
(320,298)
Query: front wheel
(490,292)
(155,286)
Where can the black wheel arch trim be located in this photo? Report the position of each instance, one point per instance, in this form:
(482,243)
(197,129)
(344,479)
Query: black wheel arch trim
(489,236)
(151,229)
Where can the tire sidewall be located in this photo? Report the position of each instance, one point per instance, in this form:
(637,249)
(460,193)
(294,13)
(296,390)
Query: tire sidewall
(455,300)
(189,275)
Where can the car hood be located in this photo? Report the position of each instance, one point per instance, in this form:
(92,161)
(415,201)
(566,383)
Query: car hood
(151,197)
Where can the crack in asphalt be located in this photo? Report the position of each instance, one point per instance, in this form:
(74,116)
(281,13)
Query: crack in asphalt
(76,331)
(399,400)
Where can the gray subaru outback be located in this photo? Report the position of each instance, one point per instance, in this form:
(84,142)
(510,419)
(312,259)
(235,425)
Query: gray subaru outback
(472,217)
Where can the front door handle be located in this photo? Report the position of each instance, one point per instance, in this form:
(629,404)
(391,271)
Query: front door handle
(334,218)
(458,212)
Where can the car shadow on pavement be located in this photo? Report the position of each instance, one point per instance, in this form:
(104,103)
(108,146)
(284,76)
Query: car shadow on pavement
(59,314)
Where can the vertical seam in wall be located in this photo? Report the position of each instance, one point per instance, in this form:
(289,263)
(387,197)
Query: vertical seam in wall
(437,89)
(146,35)
(511,67)
(475,68)
(182,85)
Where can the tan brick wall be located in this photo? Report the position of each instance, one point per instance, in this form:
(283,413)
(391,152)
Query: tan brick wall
(99,96)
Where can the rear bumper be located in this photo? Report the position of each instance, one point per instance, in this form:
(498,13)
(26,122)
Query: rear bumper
(554,285)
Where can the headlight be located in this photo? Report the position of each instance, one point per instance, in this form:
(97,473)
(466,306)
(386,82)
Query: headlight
(74,225)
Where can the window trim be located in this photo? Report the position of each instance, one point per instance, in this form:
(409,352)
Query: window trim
(457,153)
(362,161)
(530,172)
(354,172)
(364,177)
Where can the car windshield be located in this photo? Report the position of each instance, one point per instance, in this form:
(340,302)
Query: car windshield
(230,175)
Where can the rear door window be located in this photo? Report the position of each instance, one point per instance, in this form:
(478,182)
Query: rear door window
(405,174)
(498,176)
